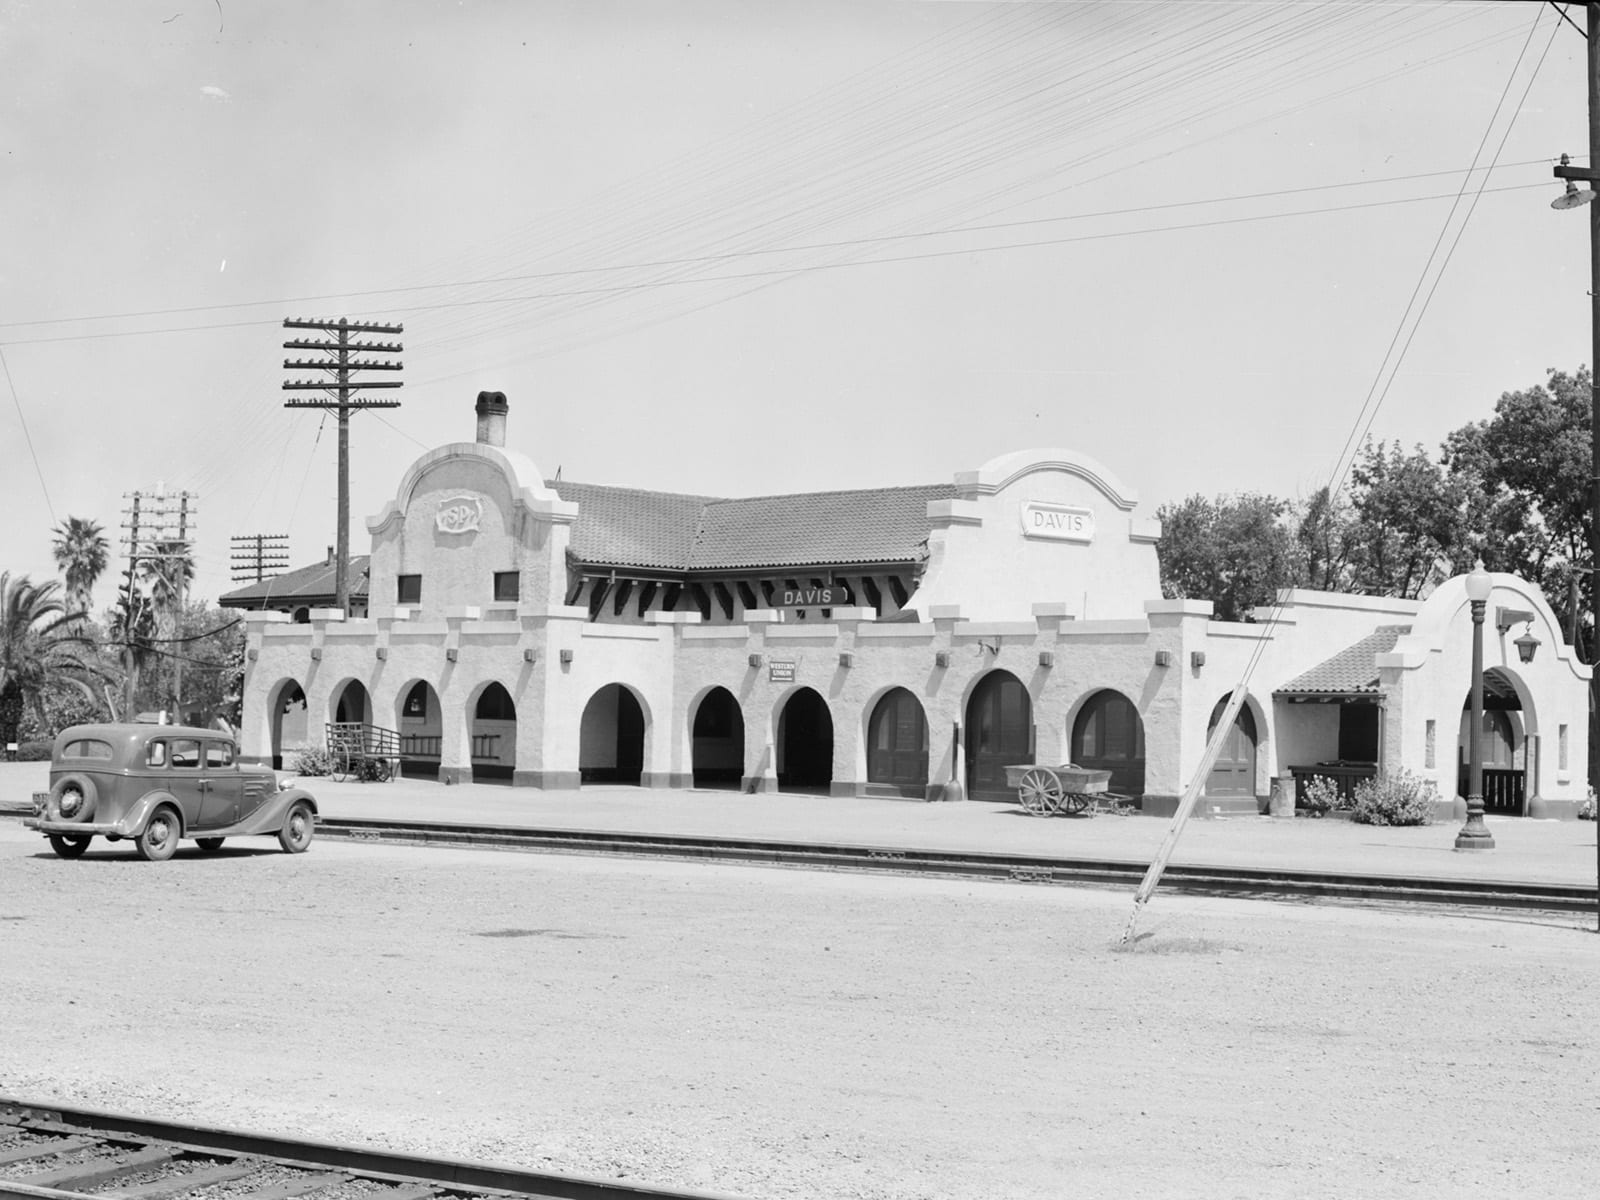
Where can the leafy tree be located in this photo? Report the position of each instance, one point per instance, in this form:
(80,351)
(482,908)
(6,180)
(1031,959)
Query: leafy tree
(40,652)
(1325,537)
(81,551)
(1408,528)
(167,573)
(1525,473)
(202,648)
(1235,551)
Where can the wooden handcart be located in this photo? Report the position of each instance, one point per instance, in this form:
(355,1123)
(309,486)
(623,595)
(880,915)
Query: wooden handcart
(362,752)
(1045,791)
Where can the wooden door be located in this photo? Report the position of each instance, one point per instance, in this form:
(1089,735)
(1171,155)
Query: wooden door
(999,732)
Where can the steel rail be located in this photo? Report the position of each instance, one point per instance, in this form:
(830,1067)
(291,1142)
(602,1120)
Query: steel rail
(1204,880)
(142,1141)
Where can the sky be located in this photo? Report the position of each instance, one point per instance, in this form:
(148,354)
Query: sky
(746,249)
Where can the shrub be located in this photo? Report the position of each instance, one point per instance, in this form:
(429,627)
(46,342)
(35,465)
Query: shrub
(33,751)
(1586,808)
(312,761)
(1322,794)
(1402,798)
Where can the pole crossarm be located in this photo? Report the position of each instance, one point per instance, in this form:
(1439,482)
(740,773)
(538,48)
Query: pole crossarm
(341,324)
(353,347)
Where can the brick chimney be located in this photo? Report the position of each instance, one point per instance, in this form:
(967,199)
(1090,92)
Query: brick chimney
(492,408)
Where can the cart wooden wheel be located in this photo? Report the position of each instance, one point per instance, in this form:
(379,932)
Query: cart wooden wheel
(1075,802)
(339,764)
(1040,791)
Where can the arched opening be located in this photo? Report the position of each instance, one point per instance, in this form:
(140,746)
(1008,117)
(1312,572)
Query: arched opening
(1233,777)
(999,733)
(805,744)
(611,737)
(1502,747)
(1109,736)
(897,743)
(290,727)
(493,735)
(717,741)
(420,720)
(353,704)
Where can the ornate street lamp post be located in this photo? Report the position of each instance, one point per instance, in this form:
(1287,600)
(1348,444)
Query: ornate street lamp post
(1475,834)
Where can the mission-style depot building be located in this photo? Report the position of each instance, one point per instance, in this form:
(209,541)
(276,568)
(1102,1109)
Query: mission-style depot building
(886,641)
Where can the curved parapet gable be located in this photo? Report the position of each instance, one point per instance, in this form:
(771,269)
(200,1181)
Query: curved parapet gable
(1000,473)
(471,523)
(1045,526)
(522,479)
(1445,617)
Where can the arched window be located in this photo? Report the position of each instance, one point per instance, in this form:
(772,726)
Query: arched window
(897,741)
(1109,735)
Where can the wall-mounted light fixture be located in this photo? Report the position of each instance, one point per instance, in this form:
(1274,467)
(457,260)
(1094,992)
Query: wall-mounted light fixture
(1527,644)
(755,660)
(316,654)
(529,655)
(252,654)
(1047,658)
(383,653)
(450,654)
(1163,658)
(847,658)
(941,658)
(566,656)
(1197,659)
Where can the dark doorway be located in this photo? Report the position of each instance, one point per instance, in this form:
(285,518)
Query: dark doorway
(717,750)
(493,735)
(999,734)
(805,744)
(611,738)
(1234,775)
(289,723)
(897,743)
(1109,736)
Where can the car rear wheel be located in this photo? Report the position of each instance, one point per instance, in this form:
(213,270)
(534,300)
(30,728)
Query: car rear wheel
(298,826)
(69,847)
(160,837)
(209,845)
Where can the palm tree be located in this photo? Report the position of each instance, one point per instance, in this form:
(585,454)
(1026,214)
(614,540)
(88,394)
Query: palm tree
(81,552)
(168,569)
(38,650)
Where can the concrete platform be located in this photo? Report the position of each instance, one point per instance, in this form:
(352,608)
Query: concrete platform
(1526,851)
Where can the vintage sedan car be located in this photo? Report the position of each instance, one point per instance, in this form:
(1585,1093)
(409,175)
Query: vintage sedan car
(155,784)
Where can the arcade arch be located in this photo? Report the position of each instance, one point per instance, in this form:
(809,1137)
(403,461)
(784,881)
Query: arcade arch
(611,737)
(999,731)
(897,742)
(805,743)
(716,733)
(1108,735)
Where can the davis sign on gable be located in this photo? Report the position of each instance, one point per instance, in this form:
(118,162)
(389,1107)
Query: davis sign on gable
(1057,522)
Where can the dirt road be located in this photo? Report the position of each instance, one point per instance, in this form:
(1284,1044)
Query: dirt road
(771,1032)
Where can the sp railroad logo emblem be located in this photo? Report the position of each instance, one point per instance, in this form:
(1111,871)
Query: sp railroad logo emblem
(459,514)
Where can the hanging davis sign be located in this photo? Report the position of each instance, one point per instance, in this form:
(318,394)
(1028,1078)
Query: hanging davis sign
(459,514)
(1057,522)
(811,597)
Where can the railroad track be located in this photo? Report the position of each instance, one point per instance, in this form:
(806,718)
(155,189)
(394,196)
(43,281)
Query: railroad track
(1213,881)
(52,1153)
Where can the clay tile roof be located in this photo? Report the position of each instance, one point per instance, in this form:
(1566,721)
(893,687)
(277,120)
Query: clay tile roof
(1352,671)
(627,527)
(300,586)
(864,526)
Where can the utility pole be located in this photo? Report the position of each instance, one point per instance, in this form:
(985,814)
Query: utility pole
(160,528)
(339,366)
(1572,198)
(257,555)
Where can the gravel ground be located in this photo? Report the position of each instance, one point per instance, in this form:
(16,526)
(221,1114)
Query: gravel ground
(770,1032)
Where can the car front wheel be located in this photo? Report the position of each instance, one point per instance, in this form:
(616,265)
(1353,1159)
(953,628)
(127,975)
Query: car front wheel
(160,837)
(69,847)
(298,827)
